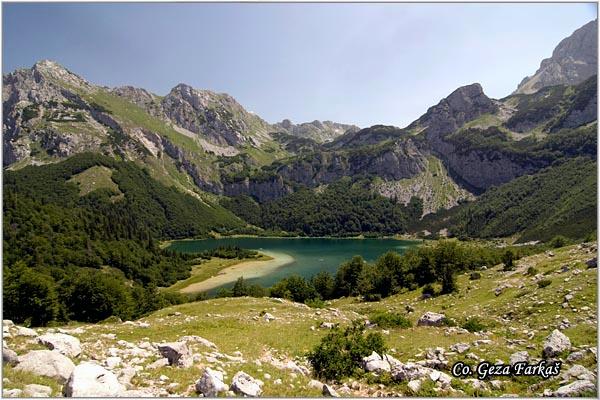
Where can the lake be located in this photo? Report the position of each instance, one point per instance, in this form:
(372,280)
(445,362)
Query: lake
(303,256)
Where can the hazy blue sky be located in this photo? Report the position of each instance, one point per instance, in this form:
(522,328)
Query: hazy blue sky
(354,63)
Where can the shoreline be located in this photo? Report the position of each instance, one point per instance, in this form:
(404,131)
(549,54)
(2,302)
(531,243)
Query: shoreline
(167,243)
(248,269)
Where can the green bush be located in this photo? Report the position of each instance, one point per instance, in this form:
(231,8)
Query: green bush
(473,324)
(92,296)
(390,320)
(559,241)
(474,276)
(544,282)
(30,297)
(315,303)
(508,259)
(340,352)
(532,271)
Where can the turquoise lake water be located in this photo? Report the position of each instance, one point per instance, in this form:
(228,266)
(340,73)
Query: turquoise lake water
(310,255)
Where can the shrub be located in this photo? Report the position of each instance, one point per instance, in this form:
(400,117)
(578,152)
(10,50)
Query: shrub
(544,282)
(508,259)
(92,296)
(390,320)
(30,297)
(473,324)
(429,290)
(531,271)
(372,297)
(474,276)
(559,241)
(315,303)
(339,353)
(447,321)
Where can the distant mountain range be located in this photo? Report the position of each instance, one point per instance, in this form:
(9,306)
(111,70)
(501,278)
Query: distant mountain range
(206,144)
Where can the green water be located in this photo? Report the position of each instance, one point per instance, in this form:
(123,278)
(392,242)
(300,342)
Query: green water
(310,255)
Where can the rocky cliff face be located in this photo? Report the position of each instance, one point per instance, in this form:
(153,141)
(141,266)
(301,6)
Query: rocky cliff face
(476,169)
(319,131)
(217,117)
(574,60)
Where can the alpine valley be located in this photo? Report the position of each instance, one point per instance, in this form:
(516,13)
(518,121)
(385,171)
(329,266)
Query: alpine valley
(99,180)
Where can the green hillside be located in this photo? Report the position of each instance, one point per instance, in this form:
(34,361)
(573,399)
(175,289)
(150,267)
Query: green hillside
(91,213)
(559,200)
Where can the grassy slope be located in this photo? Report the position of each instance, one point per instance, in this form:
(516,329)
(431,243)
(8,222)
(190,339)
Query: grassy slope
(434,186)
(231,325)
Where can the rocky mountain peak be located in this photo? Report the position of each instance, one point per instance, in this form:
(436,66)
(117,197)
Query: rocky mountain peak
(464,104)
(574,60)
(218,116)
(319,131)
(55,72)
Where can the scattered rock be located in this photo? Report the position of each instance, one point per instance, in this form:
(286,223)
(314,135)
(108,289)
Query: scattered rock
(592,263)
(519,356)
(460,347)
(329,391)
(12,393)
(91,380)
(574,389)
(9,356)
(113,362)
(211,383)
(579,372)
(414,385)
(65,344)
(22,331)
(314,384)
(177,353)
(327,325)
(555,344)
(198,339)
(431,319)
(374,363)
(268,317)
(576,356)
(34,390)
(244,384)
(50,364)
(161,362)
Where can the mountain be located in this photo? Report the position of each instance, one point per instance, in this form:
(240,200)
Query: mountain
(207,145)
(319,131)
(574,60)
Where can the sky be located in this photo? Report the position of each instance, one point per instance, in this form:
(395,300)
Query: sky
(363,64)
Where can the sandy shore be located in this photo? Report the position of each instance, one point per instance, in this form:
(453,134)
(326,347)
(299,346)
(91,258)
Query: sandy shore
(247,269)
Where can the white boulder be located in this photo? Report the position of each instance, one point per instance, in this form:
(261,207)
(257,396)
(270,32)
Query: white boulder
(91,380)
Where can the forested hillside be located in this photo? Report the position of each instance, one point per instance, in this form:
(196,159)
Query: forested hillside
(64,231)
(559,200)
(344,208)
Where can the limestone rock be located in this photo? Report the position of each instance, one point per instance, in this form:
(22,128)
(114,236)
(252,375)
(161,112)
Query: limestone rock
(574,389)
(329,391)
(22,331)
(375,363)
(65,344)
(431,319)
(34,390)
(9,356)
(211,383)
(555,344)
(573,60)
(519,356)
(46,363)
(244,384)
(12,392)
(91,380)
(177,353)
(460,347)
